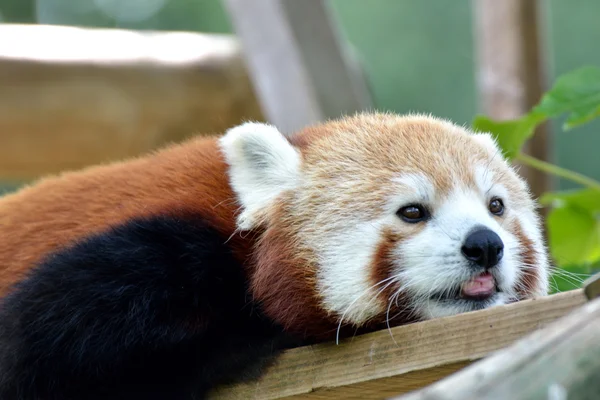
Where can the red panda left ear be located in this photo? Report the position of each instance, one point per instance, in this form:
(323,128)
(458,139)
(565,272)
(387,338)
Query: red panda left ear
(262,164)
(488,141)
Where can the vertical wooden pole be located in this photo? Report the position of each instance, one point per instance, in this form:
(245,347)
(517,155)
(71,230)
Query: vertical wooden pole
(301,69)
(511,69)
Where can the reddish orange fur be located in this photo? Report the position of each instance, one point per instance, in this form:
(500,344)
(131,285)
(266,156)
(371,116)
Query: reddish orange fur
(285,283)
(530,277)
(383,268)
(186,178)
(191,178)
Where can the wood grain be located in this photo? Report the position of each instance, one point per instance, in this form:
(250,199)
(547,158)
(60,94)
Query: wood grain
(72,97)
(559,362)
(376,366)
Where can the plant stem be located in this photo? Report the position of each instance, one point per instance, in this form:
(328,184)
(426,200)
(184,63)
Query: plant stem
(558,171)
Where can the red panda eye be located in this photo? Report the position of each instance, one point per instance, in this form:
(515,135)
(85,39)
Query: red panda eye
(496,206)
(413,213)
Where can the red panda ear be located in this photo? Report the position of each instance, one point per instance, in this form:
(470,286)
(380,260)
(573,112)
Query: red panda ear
(488,142)
(262,164)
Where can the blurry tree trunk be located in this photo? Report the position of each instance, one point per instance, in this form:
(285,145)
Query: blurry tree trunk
(511,73)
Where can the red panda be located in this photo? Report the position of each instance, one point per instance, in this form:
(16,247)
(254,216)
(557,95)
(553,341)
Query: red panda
(167,275)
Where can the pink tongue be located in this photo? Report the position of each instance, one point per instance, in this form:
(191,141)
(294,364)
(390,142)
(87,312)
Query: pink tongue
(481,284)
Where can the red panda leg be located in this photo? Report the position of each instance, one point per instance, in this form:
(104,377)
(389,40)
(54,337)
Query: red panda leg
(156,308)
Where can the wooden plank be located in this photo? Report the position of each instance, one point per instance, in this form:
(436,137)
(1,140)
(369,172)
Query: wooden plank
(559,362)
(376,366)
(591,286)
(384,387)
(302,71)
(511,70)
(75,96)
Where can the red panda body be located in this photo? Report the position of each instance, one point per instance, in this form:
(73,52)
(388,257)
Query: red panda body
(168,275)
(73,229)
(60,210)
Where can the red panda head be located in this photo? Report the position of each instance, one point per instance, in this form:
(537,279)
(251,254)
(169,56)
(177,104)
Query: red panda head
(375,216)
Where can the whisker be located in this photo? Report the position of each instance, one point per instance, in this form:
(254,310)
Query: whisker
(387,320)
(337,336)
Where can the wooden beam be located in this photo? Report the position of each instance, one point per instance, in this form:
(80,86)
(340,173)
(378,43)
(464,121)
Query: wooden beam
(559,362)
(591,286)
(302,71)
(387,363)
(72,96)
(511,70)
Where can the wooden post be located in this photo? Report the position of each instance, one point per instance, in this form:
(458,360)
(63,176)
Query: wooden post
(511,73)
(301,70)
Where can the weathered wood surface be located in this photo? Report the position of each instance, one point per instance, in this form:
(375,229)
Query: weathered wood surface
(71,96)
(512,77)
(302,69)
(560,362)
(591,286)
(377,366)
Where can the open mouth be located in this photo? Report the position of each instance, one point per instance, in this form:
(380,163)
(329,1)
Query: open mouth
(479,288)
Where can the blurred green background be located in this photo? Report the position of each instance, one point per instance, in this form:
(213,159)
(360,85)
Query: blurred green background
(418,55)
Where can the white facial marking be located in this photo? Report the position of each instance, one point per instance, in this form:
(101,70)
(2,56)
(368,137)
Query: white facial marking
(531,227)
(528,221)
(431,262)
(262,164)
(489,143)
(414,188)
(343,280)
(484,178)
(339,216)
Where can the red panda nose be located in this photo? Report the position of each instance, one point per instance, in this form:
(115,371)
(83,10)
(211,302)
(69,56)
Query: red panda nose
(483,247)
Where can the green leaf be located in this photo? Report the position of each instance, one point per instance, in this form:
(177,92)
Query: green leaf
(577,93)
(511,134)
(574,236)
(574,226)
(584,199)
